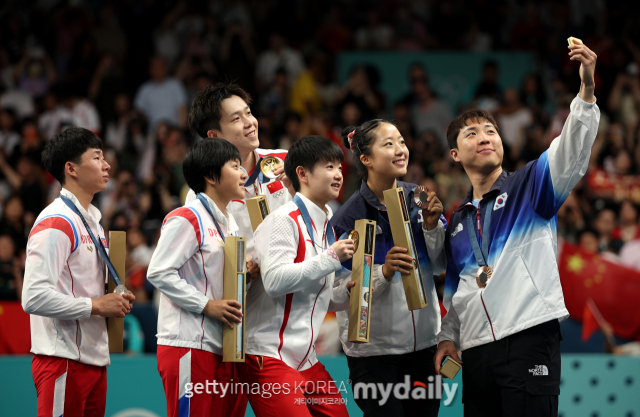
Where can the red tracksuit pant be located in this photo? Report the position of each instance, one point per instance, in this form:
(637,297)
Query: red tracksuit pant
(276,389)
(198,384)
(68,387)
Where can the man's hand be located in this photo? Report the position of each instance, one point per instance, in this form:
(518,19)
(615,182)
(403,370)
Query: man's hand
(397,259)
(112,305)
(587,60)
(281,176)
(445,348)
(224,310)
(431,214)
(343,249)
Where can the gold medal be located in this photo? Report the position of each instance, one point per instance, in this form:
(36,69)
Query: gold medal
(268,166)
(420,196)
(483,275)
(353,235)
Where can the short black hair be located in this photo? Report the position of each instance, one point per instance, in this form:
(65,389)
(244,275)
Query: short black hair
(307,152)
(68,145)
(464,119)
(206,159)
(206,109)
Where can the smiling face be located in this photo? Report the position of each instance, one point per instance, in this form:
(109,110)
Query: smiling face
(323,183)
(237,125)
(230,185)
(92,174)
(479,147)
(389,155)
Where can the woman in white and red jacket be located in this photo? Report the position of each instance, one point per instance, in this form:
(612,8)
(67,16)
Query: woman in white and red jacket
(298,256)
(188,267)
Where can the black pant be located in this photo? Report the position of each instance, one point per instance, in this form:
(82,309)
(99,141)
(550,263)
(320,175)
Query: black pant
(391,369)
(515,376)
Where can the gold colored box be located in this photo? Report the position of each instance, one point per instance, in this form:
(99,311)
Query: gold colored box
(117,256)
(450,368)
(400,224)
(258,210)
(233,340)
(362,275)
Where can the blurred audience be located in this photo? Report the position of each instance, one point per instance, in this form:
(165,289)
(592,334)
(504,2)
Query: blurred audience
(128,71)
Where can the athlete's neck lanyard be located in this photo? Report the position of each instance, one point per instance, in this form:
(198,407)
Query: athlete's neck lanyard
(482,255)
(205,203)
(331,239)
(96,242)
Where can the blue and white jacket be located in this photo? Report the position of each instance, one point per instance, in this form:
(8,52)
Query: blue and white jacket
(394,330)
(525,287)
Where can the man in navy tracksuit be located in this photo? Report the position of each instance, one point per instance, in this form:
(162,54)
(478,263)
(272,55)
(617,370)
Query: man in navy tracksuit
(502,290)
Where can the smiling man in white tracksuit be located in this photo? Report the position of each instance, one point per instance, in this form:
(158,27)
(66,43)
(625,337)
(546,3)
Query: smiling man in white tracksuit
(502,291)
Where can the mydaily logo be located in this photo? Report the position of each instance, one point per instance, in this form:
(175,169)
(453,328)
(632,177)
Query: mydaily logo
(405,390)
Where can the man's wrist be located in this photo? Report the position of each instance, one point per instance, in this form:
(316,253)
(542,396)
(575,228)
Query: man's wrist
(95,308)
(587,93)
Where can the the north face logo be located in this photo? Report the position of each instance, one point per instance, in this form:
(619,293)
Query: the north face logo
(539,370)
(458,229)
(500,201)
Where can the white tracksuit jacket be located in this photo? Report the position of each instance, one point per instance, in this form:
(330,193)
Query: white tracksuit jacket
(63,273)
(286,308)
(188,268)
(525,289)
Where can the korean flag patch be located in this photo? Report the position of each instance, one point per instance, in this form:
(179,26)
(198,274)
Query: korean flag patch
(500,201)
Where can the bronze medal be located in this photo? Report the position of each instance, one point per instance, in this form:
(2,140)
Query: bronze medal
(420,196)
(483,275)
(353,235)
(268,166)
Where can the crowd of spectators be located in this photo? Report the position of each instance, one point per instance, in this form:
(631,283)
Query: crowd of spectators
(128,69)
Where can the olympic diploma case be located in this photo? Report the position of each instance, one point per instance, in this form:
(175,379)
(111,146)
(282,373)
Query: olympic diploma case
(233,340)
(361,274)
(258,210)
(117,256)
(403,236)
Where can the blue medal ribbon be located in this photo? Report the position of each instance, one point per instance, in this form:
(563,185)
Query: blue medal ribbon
(482,255)
(256,174)
(204,202)
(97,242)
(331,239)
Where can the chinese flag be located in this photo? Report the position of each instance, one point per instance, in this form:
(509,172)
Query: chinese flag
(614,288)
(589,322)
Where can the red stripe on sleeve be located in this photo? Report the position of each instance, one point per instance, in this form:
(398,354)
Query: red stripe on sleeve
(188,214)
(55,223)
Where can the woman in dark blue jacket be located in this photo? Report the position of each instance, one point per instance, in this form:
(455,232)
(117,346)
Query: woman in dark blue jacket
(402,343)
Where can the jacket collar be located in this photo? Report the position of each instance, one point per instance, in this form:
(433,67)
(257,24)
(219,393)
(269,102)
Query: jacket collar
(371,198)
(224,219)
(316,213)
(495,189)
(93,214)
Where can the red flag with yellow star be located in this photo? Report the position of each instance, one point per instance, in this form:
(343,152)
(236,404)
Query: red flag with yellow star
(614,288)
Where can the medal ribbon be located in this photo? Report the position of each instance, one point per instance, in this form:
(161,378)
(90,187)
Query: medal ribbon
(331,239)
(204,202)
(97,242)
(482,255)
(256,174)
